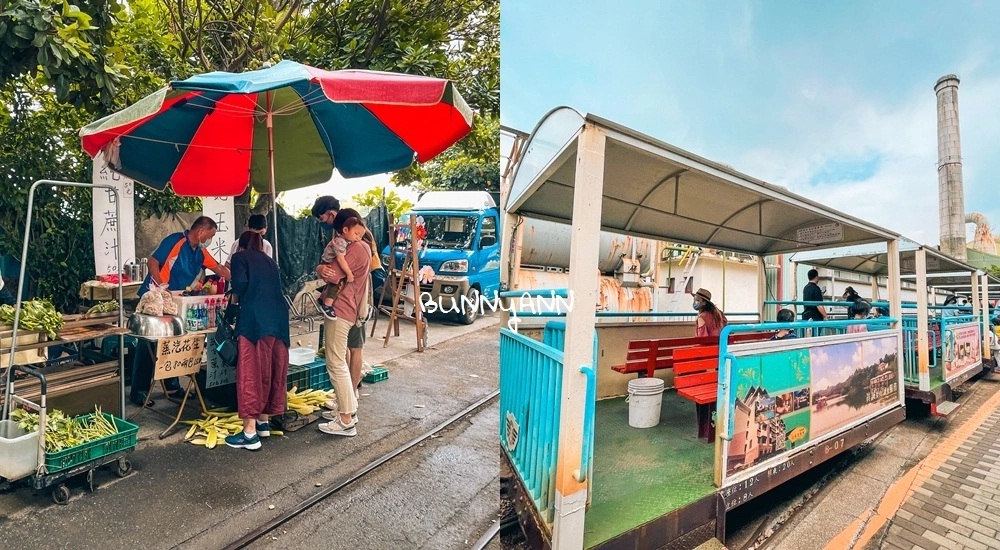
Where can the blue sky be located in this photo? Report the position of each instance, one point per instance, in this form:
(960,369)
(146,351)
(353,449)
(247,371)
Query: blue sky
(833,100)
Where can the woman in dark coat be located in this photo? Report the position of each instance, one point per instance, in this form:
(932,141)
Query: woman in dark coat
(262,330)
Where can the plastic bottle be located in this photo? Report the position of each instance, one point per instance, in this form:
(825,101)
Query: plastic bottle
(189,314)
(212,308)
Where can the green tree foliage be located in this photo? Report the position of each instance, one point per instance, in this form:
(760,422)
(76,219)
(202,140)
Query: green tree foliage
(67,45)
(455,39)
(35,128)
(396,205)
(62,66)
(994,270)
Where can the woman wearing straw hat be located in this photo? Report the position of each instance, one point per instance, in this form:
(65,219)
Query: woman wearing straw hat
(710,320)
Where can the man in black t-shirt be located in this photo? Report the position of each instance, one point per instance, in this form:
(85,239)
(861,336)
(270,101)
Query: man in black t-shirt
(812,293)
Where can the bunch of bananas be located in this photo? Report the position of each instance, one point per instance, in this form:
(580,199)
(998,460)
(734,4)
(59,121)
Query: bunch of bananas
(306,402)
(215,426)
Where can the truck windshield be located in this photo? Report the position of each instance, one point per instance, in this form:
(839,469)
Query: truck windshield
(456,232)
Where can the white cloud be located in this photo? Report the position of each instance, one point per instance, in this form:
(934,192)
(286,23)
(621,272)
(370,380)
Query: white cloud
(831,124)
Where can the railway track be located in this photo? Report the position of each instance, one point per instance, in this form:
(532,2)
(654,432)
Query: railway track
(277,522)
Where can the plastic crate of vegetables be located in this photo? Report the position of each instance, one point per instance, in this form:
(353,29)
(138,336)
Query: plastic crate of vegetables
(94,449)
(71,441)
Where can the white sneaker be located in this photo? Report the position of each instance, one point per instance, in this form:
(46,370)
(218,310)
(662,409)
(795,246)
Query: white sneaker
(334,415)
(336,427)
(331,404)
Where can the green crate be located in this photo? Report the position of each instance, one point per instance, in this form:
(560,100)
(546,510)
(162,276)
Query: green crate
(298,376)
(319,378)
(92,450)
(377,374)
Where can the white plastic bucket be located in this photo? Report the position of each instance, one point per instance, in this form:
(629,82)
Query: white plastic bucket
(644,398)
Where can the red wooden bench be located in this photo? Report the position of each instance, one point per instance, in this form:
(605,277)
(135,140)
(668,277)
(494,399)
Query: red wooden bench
(645,357)
(696,377)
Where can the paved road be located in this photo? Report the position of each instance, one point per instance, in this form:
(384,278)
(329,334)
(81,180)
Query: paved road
(192,497)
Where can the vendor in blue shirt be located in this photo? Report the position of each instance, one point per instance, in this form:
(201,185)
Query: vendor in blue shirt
(177,261)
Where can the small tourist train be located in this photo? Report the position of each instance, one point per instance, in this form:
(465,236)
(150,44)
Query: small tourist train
(741,413)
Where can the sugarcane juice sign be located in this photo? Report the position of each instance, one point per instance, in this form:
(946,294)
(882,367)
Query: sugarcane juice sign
(785,399)
(179,356)
(108,222)
(962,348)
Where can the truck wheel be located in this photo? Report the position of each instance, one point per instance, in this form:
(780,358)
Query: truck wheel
(467,317)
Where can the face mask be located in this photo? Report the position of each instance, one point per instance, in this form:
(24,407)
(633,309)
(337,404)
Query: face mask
(695,306)
(205,244)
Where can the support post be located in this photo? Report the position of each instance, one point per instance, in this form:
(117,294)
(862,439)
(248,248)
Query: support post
(974,299)
(985,294)
(571,492)
(923,354)
(761,288)
(894,291)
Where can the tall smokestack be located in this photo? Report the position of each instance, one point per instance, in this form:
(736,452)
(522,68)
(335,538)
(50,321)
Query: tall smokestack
(951,210)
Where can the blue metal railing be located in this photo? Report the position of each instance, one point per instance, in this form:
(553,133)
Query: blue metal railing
(554,335)
(911,365)
(657,314)
(531,392)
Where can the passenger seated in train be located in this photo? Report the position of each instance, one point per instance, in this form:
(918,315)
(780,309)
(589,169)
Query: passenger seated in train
(859,311)
(784,316)
(711,320)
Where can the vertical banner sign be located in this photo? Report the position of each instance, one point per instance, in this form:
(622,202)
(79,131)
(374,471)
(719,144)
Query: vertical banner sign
(217,372)
(107,257)
(221,210)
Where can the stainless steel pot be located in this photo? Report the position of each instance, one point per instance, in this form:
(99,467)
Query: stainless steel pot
(151,325)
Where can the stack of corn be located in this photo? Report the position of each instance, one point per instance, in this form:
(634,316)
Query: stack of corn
(307,402)
(213,429)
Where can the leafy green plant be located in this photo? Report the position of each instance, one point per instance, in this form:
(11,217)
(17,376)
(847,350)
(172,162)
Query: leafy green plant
(396,205)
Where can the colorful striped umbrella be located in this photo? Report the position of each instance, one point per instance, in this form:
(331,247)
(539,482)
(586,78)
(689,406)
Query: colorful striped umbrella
(278,128)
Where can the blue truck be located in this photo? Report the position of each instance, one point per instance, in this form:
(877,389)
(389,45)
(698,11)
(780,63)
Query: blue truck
(463,249)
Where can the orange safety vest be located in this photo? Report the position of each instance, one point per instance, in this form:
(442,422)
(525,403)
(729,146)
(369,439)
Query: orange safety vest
(208,261)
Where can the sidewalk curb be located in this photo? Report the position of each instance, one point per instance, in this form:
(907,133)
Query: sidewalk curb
(905,486)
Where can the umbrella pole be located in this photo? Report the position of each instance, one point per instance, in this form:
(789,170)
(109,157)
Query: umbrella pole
(270,162)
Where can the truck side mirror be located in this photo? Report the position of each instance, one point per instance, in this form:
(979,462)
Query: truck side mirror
(487,241)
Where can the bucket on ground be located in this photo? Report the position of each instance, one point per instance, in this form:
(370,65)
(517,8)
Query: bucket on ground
(644,398)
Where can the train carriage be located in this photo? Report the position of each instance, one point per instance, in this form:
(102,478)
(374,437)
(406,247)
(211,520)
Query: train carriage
(943,346)
(741,413)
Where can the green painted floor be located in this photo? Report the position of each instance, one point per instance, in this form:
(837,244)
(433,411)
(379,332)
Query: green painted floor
(642,474)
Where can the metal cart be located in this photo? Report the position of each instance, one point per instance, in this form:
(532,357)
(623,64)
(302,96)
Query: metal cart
(41,479)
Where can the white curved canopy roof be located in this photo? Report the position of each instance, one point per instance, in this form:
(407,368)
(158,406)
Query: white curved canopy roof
(655,190)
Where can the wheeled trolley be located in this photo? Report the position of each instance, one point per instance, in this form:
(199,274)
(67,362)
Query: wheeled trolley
(53,469)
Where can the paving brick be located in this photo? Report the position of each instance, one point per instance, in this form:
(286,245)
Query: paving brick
(988,541)
(938,539)
(978,528)
(938,510)
(971,504)
(918,514)
(954,527)
(967,542)
(921,527)
(913,538)
(957,487)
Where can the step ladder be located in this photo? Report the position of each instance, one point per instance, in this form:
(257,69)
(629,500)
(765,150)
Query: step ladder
(688,261)
(396,283)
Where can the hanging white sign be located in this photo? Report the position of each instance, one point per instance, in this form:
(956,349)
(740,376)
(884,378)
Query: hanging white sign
(818,234)
(108,258)
(221,210)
